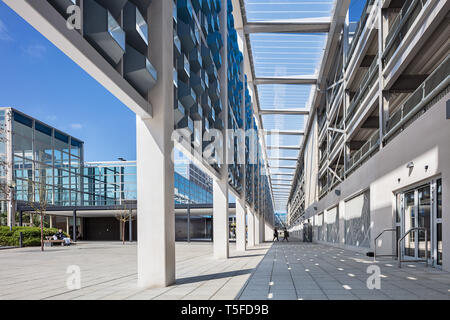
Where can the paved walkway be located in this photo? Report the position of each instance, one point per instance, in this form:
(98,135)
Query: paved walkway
(108,271)
(298,270)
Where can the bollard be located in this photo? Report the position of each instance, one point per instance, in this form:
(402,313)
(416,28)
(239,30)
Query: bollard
(20,240)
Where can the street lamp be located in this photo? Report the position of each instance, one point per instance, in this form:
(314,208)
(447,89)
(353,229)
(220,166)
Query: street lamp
(11,186)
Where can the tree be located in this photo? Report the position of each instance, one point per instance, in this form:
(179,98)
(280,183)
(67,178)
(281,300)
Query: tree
(125,214)
(37,197)
(7,184)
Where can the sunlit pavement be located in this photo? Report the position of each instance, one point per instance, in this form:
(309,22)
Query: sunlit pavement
(108,271)
(298,270)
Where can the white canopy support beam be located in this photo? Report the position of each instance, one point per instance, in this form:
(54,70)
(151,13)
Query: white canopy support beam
(293,111)
(309,25)
(307,79)
(285,133)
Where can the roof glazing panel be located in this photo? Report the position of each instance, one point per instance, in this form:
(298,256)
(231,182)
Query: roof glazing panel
(284,96)
(284,122)
(268,10)
(282,140)
(287,54)
(282,153)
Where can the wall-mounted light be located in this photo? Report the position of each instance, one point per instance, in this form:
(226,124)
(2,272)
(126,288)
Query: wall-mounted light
(315,208)
(410,165)
(337,192)
(426,168)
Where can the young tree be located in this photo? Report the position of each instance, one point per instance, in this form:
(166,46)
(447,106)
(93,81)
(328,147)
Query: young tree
(7,184)
(37,198)
(125,214)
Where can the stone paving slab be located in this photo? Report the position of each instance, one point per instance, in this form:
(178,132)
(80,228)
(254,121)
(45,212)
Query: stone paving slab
(108,272)
(308,271)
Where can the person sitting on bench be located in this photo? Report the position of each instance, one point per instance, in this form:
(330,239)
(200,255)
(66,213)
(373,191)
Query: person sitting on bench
(61,236)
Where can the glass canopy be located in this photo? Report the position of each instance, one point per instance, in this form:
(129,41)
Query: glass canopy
(269,10)
(280,58)
(286,54)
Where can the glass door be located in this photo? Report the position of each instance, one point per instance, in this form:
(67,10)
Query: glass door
(437,235)
(423,219)
(409,219)
(421,207)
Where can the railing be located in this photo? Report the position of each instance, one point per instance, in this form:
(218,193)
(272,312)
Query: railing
(336,135)
(359,156)
(437,82)
(358,32)
(399,247)
(323,191)
(375,245)
(401,26)
(366,84)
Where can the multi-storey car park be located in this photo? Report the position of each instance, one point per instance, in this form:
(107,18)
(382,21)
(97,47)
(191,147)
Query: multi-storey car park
(351,120)
(374,162)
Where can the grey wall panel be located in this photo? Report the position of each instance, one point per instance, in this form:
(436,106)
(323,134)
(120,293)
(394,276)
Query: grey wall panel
(357,221)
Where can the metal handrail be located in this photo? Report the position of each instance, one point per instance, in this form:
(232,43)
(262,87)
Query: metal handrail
(399,248)
(375,247)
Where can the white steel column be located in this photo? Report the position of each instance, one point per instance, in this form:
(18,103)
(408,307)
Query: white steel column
(220,187)
(251,227)
(240,225)
(257,229)
(155,169)
(268,232)
(220,219)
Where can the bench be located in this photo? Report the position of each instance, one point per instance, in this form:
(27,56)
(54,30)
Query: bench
(49,241)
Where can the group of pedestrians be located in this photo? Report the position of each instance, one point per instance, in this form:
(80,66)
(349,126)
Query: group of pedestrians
(285,235)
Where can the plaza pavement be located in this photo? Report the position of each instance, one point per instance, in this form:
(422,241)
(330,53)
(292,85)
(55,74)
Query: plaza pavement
(287,271)
(307,271)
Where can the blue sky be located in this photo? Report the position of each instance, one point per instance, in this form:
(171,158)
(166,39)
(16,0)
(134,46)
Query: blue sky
(39,80)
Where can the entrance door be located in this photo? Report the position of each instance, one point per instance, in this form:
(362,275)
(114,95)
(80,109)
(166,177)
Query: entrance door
(423,219)
(409,221)
(421,207)
(437,231)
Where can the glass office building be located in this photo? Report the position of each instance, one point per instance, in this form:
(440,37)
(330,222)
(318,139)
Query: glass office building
(41,160)
(37,160)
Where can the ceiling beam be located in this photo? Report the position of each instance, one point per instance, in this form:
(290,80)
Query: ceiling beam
(283,159)
(284,147)
(285,111)
(308,79)
(282,167)
(285,133)
(289,26)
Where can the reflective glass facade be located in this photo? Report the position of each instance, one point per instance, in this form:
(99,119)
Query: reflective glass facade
(46,162)
(43,161)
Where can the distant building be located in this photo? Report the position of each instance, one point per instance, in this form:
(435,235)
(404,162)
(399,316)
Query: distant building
(37,157)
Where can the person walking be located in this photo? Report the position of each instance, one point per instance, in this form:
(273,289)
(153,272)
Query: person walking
(285,235)
(275,235)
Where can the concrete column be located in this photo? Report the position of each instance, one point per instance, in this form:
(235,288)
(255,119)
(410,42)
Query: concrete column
(220,187)
(251,228)
(268,232)
(155,169)
(74,226)
(257,229)
(240,225)
(220,219)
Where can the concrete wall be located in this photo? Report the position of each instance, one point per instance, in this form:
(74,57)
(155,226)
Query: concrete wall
(426,142)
